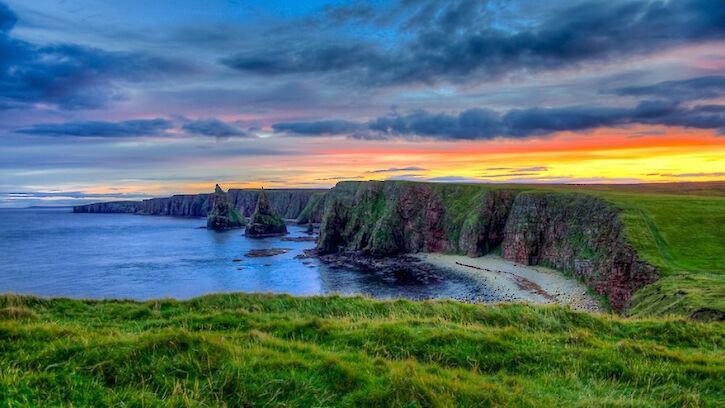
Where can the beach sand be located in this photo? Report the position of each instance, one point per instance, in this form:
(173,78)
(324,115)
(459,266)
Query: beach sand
(515,282)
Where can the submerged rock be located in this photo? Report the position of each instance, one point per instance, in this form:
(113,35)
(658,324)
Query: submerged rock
(265,222)
(300,239)
(223,215)
(261,253)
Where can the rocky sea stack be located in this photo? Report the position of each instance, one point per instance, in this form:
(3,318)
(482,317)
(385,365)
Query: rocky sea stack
(223,215)
(265,222)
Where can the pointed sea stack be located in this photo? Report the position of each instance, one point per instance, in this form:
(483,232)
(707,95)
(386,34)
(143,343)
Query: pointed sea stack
(265,222)
(223,215)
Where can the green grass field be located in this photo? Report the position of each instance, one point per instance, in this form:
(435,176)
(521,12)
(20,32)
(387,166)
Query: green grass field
(282,351)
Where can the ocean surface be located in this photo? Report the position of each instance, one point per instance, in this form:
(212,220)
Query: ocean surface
(54,252)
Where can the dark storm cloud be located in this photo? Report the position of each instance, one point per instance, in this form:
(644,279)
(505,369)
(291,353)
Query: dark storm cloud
(102,129)
(317,128)
(67,75)
(684,90)
(461,40)
(308,60)
(522,123)
(214,128)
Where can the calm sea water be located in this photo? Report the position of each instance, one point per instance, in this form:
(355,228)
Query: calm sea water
(54,252)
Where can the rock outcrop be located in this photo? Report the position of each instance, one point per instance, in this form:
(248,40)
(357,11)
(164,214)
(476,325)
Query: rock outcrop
(572,232)
(223,215)
(265,222)
(288,203)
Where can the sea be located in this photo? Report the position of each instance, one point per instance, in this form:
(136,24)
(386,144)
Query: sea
(54,252)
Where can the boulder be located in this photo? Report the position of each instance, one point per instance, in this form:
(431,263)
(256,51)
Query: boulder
(223,215)
(265,222)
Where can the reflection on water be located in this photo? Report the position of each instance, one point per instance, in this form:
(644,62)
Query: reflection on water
(54,252)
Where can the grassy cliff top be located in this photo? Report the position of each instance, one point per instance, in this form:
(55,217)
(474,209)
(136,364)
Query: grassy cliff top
(264,350)
(678,227)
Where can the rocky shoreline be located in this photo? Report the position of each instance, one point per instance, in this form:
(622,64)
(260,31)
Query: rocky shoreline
(402,269)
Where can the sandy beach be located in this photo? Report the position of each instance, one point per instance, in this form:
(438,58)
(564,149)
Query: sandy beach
(514,282)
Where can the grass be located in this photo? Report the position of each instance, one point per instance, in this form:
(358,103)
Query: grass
(264,350)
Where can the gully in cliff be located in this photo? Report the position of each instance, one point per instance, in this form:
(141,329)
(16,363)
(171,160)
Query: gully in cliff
(265,222)
(223,215)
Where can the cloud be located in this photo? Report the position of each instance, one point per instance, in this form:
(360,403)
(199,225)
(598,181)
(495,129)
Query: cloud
(214,128)
(506,175)
(317,128)
(454,179)
(507,172)
(101,129)
(70,76)
(479,123)
(397,169)
(310,60)
(465,40)
(336,178)
(470,124)
(687,175)
(60,198)
(684,90)
(534,168)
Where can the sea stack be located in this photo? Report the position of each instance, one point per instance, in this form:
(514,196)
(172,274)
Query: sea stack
(223,215)
(265,222)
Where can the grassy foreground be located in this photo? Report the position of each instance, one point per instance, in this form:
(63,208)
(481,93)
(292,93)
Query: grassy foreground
(259,350)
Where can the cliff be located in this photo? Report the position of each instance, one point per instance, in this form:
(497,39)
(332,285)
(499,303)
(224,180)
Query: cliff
(579,234)
(573,232)
(288,203)
(130,207)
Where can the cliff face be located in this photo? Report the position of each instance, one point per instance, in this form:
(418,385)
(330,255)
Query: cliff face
(186,205)
(130,207)
(572,232)
(313,210)
(579,234)
(288,203)
(384,218)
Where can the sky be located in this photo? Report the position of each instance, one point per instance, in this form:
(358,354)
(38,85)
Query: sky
(108,100)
